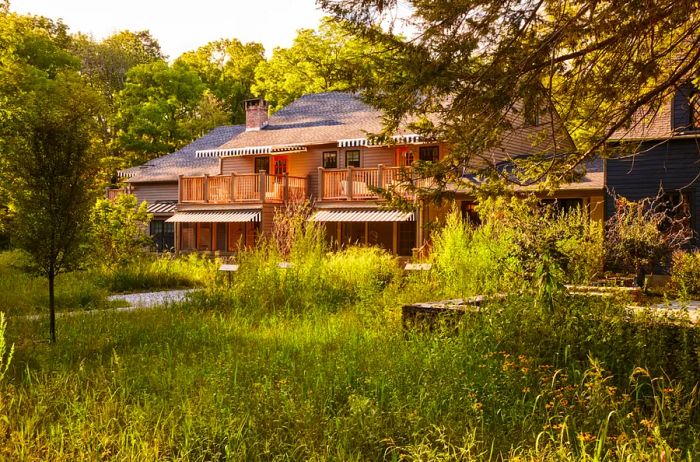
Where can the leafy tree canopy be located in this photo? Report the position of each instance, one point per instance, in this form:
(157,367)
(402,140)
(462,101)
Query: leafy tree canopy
(47,138)
(332,58)
(227,68)
(475,64)
(161,108)
(105,65)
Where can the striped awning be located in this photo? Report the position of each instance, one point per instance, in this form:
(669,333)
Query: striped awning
(161,207)
(251,150)
(219,216)
(411,138)
(362,215)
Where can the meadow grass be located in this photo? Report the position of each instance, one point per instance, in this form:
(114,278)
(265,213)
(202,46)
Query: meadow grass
(210,381)
(25,293)
(311,363)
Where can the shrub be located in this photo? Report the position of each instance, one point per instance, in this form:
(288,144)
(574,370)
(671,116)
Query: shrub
(641,236)
(119,230)
(685,272)
(520,245)
(473,261)
(5,354)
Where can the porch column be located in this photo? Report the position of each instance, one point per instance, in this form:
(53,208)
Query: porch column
(261,184)
(320,183)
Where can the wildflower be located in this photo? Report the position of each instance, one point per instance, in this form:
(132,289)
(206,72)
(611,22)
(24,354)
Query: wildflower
(526,390)
(586,437)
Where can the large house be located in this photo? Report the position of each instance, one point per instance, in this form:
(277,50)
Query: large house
(221,192)
(660,156)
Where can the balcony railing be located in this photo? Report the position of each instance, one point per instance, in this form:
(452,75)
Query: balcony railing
(241,188)
(357,184)
(112,193)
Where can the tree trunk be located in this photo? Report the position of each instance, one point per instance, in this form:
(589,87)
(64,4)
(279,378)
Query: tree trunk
(52,308)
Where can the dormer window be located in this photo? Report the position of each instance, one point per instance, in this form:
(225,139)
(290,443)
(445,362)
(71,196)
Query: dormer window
(694,111)
(685,114)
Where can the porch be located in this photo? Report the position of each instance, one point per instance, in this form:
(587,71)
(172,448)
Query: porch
(361,184)
(241,189)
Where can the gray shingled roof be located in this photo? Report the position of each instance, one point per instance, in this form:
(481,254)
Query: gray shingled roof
(315,119)
(184,161)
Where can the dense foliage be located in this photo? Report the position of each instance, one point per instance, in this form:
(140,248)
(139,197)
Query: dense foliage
(520,246)
(332,58)
(119,230)
(480,69)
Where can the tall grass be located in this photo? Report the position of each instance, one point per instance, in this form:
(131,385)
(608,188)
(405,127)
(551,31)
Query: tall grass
(25,293)
(159,272)
(184,384)
(310,362)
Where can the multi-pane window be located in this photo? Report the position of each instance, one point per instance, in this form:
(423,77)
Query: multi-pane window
(189,236)
(429,153)
(279,165)
(262,164)
(563,206)
(352,158)
(163,235)
(204,236)
(330,159)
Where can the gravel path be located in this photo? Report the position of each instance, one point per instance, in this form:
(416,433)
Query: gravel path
(139,301)
(151,299)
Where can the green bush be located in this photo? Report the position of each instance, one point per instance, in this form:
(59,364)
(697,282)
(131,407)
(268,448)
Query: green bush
(685,272)
(518,245)
(474,261)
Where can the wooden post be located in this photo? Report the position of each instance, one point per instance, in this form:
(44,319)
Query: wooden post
(178,238)
(232,188)
(307,188)
(380,176)
(320,183)
(107,188)
(205,194)
(262,184)
(179,188)
(285,186)
(349,188)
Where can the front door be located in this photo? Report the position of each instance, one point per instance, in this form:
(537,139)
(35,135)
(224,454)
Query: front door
(279,165)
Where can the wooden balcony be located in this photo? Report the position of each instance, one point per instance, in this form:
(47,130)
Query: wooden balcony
(112,193)
(241,189)
(359,184)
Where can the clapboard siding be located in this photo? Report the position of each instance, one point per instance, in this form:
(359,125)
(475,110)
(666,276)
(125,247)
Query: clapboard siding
(371,157)
(240,164)
(153,192)
(672,165)
(305,165)
(267,218)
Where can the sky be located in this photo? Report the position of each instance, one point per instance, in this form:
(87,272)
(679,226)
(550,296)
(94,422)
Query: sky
(182,25)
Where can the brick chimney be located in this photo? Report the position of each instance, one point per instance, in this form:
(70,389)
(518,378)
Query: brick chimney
(255,114)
